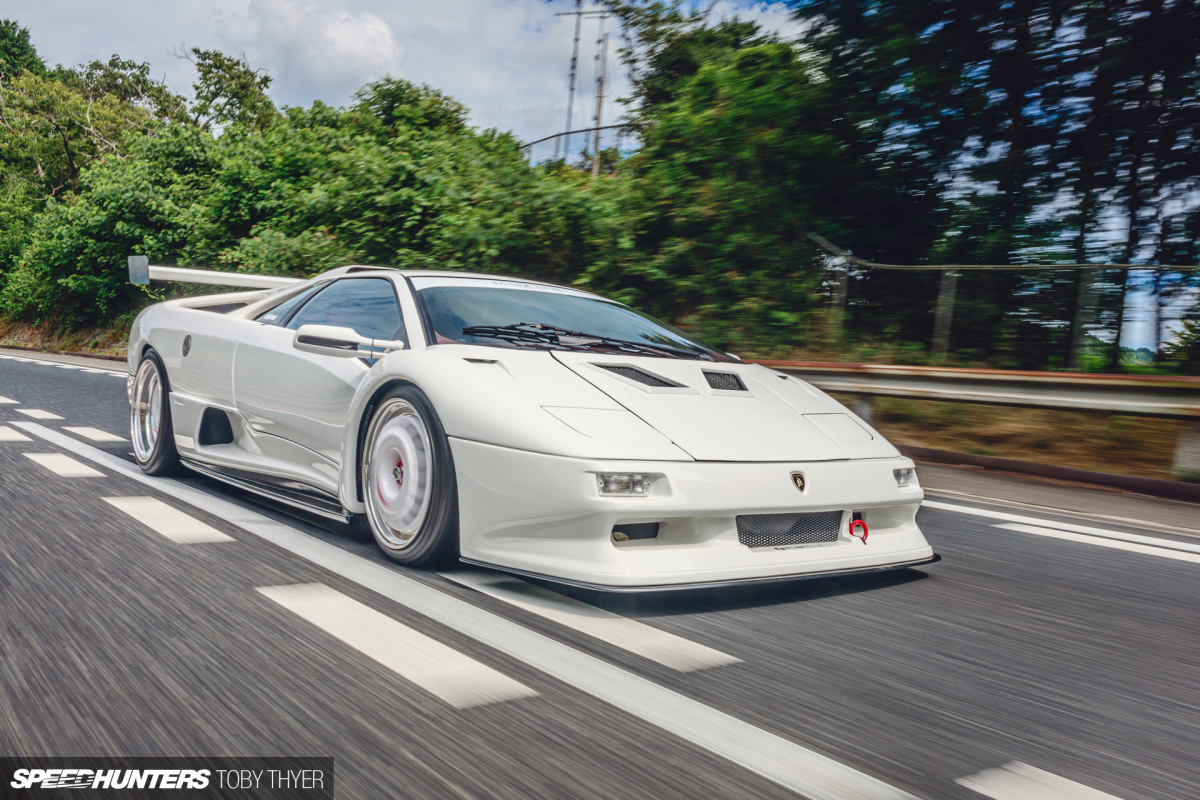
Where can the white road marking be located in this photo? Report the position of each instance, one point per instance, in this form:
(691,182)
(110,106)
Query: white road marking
(65,466)
(1115,544)
(791,765)
(449,675)
(9,435)
(37,413)
(168,520)
(1017,781)
(95,434)
(8,400)
(62,364)
(636,637)
(1156,541)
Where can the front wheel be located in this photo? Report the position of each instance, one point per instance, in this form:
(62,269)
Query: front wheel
(409,486)
(150,427)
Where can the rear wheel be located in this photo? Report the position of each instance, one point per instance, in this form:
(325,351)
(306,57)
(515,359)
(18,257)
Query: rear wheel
(150,427)
(409,486)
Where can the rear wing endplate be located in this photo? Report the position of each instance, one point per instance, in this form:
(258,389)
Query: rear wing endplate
(141,272)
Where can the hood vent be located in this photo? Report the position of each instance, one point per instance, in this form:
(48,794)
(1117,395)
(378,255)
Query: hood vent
(634,374)
(221,308)
(725,381)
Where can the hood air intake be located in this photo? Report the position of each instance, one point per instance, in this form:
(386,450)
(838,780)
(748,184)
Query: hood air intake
(725,381)
(634,374)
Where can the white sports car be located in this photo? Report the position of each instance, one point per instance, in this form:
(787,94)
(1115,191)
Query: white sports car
(516,425)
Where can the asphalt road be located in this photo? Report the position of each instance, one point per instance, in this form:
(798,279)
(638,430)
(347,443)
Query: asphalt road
(1043,656)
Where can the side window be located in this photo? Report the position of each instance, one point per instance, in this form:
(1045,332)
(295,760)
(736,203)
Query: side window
(279,314)
(368,305)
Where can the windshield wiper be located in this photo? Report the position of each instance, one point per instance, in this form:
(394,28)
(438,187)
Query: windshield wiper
(536,333)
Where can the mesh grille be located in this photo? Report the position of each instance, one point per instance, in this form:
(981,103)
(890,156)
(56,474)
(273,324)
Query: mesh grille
(222,308)
(724,381)
(638,530)
(637,375)
(772,530)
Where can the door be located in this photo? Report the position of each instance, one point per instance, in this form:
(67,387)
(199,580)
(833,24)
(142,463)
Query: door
(305,397)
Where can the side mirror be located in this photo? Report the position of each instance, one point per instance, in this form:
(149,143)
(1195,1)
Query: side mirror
(333,340)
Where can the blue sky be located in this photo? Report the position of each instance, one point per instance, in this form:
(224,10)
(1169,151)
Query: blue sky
(506,59)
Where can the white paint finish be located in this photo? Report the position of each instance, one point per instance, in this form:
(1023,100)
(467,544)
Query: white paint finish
(1087,530)
(449,675)
(167,520)
(37,413)
(1130,547)
(65,466)
(9,435)
(636,637)
(95,434)
(8,400)
(1017,781)
(797,768)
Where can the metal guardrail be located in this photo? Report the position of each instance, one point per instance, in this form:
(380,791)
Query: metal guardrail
(1136,395)
(1166,397)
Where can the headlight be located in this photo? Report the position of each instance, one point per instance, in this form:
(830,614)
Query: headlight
(906,476)
(623,484)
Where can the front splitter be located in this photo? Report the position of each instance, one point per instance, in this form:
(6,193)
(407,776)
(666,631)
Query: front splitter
(676,587)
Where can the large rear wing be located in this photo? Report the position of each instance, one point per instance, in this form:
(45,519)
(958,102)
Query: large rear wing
(141,272)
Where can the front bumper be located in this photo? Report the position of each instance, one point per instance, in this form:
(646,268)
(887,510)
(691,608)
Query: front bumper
(541,515)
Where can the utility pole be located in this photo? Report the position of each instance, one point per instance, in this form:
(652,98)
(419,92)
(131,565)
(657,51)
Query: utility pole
(578,14)
(601,74)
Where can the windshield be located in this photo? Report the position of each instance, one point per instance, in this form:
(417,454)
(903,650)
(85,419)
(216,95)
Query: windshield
(503,313)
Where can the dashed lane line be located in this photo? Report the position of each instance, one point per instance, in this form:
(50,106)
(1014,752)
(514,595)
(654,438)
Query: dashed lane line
(636,637)
(38,413)
(95,434)
(64,466)
(1087,530)
(8,400)
(1017,781)
(787,763)
(168,520)
(1115,544)
(451,676)
(7,434)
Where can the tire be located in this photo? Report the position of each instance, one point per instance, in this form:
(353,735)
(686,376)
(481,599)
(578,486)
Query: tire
(150,428)
(408,481)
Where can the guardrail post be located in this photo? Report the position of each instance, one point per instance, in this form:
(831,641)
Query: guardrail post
(945,313)
(1187,453)
(864,408)
(841,287)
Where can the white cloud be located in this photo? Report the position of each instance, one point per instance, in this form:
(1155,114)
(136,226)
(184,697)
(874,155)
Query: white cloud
(312,51)
(505,59)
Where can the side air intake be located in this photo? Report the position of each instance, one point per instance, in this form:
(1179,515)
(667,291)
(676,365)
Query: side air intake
(215,428)
(638,375)
(725,381)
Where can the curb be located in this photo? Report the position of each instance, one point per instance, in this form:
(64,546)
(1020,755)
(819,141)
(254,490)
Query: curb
(62,352)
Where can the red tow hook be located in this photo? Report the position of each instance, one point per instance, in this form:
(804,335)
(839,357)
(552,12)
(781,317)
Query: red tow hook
(858,523)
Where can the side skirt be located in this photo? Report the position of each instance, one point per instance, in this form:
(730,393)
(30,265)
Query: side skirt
(312,501)
(677,587)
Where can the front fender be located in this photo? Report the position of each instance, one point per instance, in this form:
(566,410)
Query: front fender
(499,397)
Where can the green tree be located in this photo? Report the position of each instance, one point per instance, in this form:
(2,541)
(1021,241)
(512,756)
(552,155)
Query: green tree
(17,53)
(228,90)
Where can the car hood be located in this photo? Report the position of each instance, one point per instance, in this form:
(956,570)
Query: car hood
(731,411)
